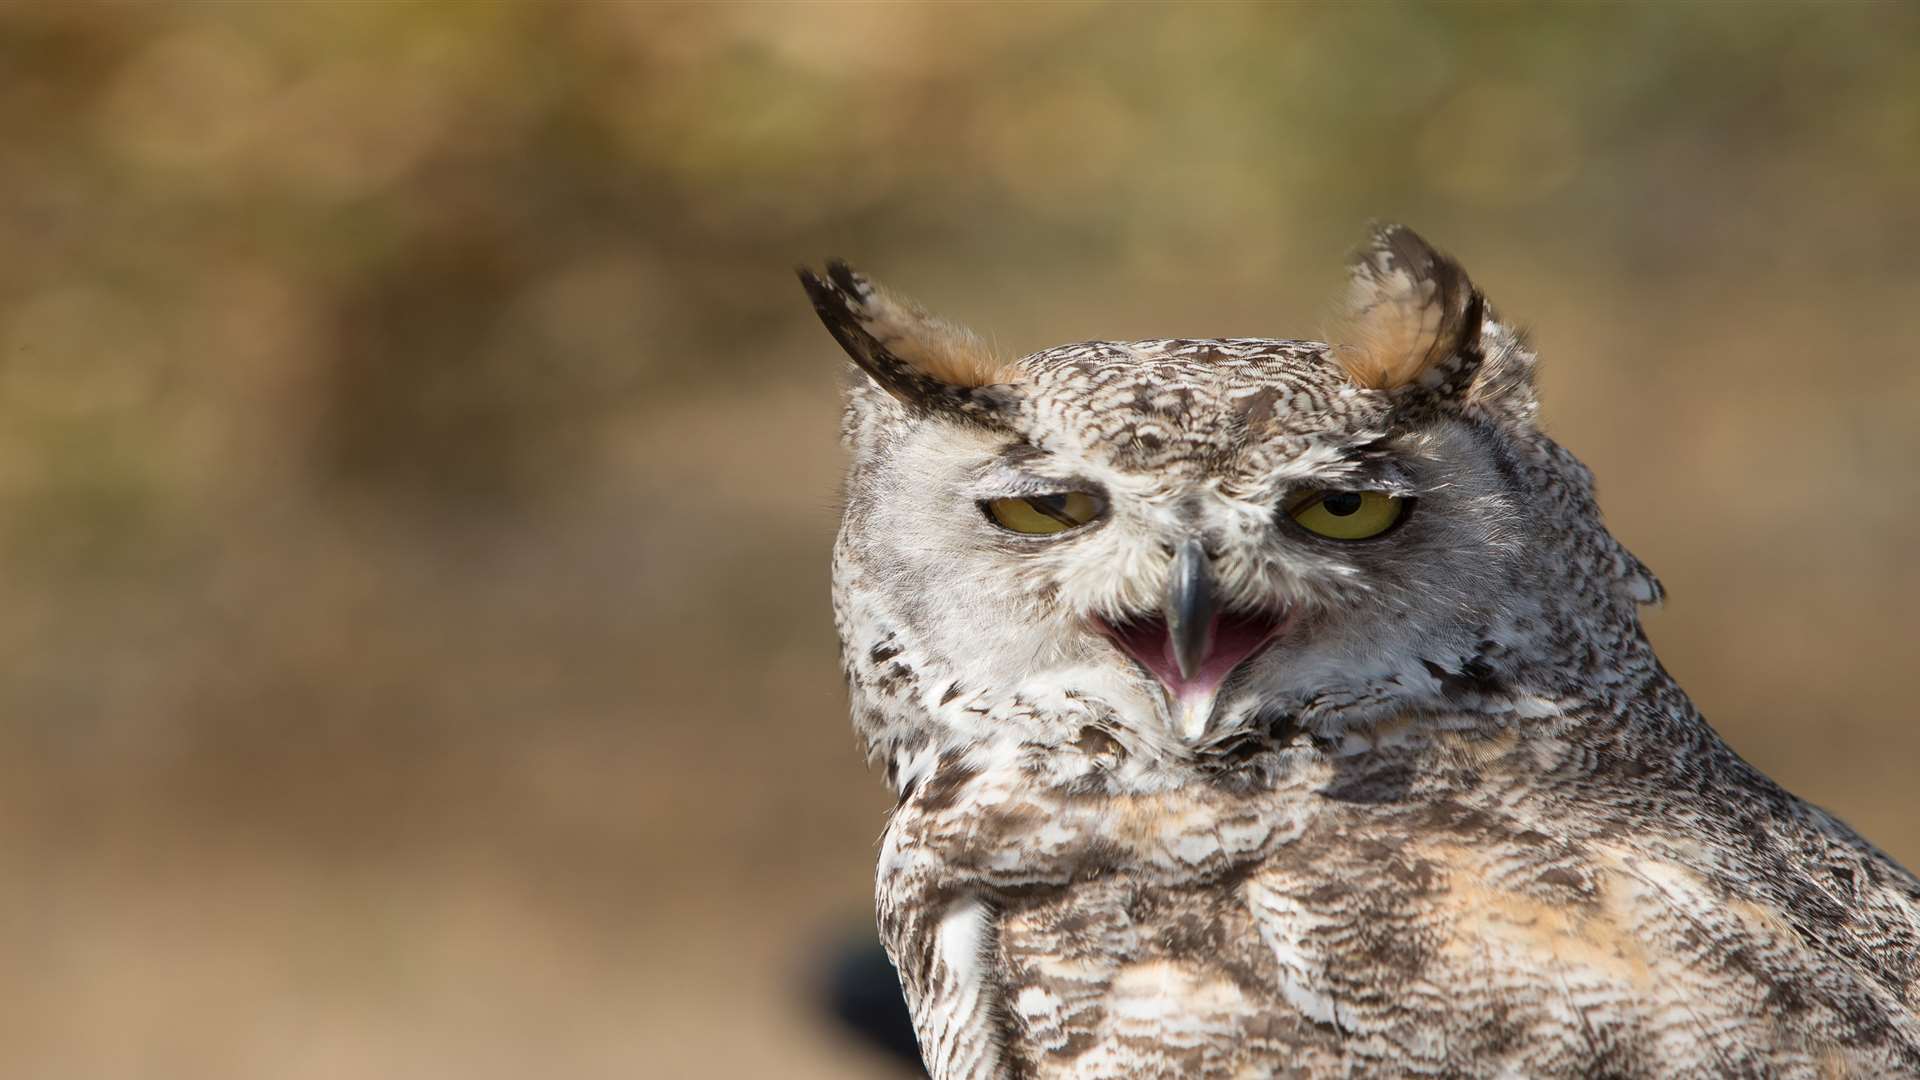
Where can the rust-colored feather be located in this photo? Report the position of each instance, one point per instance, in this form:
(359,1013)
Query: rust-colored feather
(1408,312)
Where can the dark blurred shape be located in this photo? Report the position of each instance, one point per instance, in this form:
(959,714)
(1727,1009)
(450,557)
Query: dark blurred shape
(862,993)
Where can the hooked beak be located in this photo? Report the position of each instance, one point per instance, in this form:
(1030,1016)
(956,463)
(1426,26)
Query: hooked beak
(1189,607)
(1190,645)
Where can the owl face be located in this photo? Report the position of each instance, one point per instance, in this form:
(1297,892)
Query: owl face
(1174,542)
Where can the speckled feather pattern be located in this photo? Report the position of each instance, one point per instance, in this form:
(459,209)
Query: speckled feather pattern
(1457,821)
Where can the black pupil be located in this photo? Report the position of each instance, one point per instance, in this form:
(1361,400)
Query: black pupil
(1342,503)
(1049,504)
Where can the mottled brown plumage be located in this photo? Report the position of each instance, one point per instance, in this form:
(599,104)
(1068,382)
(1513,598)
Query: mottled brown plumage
(1448,817)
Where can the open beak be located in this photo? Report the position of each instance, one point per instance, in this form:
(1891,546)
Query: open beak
(1190,645)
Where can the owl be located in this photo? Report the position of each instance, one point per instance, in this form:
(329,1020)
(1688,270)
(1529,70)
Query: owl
(1282,708)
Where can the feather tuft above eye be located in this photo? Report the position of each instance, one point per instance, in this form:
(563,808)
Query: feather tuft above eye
(940,350)
(1411,312)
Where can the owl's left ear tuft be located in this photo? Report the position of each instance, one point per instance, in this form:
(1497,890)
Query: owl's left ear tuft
(921,359)
(1413,317)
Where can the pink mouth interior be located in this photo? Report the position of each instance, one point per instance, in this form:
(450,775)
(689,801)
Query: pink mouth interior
(1236,637)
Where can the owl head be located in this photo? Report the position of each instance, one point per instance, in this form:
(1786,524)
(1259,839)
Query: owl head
(1119,562)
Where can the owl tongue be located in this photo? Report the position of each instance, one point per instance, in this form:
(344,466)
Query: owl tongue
(1235,638)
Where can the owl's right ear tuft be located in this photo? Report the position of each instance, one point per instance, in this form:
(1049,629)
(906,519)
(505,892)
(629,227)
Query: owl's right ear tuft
(1418,328)
(1413,316)
(929,364)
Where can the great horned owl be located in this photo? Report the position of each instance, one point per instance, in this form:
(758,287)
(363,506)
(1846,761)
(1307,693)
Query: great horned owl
(1265,707)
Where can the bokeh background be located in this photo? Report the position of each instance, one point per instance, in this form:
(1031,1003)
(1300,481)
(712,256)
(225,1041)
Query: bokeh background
(418,464)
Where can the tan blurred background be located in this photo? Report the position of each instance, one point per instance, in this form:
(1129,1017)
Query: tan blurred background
(418,465)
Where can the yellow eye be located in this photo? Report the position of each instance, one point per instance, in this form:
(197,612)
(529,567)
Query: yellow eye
(1348,515)
(1038,515)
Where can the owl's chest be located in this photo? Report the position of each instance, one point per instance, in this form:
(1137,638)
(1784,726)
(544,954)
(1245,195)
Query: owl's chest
(1118,978)
(1328,935)
(1327,966)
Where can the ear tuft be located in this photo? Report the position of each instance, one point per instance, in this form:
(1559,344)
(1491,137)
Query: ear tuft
(1413,317)
(924,361)
(925,342)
